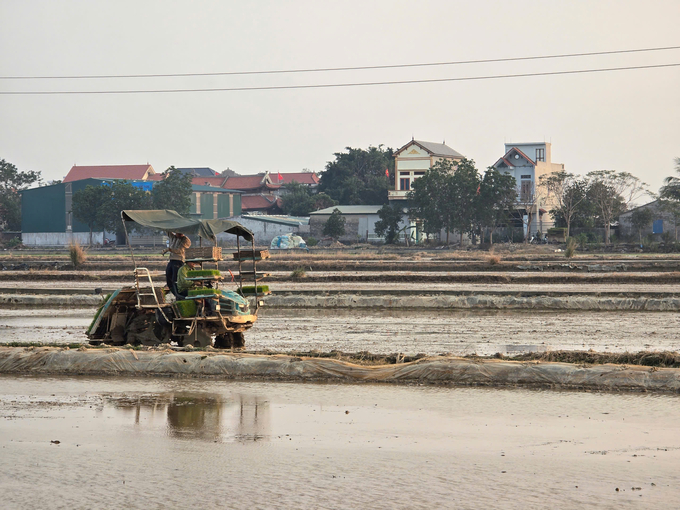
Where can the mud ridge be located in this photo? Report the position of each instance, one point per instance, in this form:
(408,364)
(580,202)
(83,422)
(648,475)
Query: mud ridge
(431,370)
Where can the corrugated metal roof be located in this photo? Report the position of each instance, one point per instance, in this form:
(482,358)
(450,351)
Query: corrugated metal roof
(214,189)
(350,209)
(439,149)
(200,171)
(292,222)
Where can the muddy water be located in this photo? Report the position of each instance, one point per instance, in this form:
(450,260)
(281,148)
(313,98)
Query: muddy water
(188,443)
(410,332)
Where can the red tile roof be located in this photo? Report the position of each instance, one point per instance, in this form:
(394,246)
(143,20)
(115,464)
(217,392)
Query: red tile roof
(260,202)
(208,181)
(129,172)
(299,177)
(250,183)
(244,182)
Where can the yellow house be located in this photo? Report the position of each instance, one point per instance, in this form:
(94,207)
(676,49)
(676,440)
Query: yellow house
(413,160)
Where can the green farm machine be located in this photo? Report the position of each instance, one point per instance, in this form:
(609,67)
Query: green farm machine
(145,313)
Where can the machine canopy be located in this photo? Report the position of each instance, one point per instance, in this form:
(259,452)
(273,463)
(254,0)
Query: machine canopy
(171,221)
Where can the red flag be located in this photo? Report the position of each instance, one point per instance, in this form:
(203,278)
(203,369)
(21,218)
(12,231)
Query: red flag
(280,177)
(479,188)
(387,172)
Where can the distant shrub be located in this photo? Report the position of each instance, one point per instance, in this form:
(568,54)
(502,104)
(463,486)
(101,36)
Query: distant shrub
(493,259)
(14,242)
(571,247)
(77,254)
(298,273)
(312,241)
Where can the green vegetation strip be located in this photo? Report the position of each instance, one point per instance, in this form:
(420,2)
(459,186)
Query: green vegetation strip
(250,290)
(199,273)
(204,291)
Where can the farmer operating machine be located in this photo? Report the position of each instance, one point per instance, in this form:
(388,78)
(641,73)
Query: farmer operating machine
(208,315)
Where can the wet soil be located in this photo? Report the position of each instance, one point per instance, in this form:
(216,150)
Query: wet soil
(395,277)
(385,332)
(140,443)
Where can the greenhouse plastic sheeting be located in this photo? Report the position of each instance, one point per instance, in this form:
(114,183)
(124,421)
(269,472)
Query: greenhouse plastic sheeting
(435,370)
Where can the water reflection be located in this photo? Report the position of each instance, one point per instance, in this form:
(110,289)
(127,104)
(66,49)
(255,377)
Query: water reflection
(208,417)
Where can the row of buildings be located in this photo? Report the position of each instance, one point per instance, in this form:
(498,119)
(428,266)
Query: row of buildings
(46,211)
(256,199)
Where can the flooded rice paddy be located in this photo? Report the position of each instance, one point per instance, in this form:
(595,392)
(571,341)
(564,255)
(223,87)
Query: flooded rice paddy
(171,443)
(407,331)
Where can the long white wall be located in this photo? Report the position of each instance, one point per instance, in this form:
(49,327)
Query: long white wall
(60,238)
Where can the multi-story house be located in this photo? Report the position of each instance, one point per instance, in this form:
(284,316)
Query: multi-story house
(527,162)
(413,160)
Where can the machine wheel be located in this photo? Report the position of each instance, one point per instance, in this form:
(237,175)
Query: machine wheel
(239,341)
(230,340)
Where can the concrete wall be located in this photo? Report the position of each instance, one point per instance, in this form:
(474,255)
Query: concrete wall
(59,238)
(357,226)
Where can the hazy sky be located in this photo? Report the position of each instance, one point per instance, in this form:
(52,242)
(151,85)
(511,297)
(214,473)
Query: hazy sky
(622,120)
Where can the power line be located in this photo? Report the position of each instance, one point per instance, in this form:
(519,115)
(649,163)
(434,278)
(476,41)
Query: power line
(336,85)
(329,69)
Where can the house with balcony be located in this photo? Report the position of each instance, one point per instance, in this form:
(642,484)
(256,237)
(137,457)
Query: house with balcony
(527,162)
(413,160)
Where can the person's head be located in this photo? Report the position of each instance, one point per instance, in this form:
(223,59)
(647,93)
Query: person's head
(192,265)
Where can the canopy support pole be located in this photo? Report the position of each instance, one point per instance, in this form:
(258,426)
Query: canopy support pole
(127,240)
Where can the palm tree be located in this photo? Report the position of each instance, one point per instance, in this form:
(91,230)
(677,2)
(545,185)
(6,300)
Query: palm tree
(671,188)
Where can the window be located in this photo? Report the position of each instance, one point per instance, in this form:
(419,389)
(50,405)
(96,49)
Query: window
(405,184)
(526,177)
(657,227)
(540,154)
(525,191)
(418,173)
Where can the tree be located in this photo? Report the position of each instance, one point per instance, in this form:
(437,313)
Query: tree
(530,201)
(87,204)
(496,198)
(672,208)
(640,219)
(173,192)
(613,193)
(300,201)
(428,198)
(357,177)
(568,191)
(671,188)
(462,187)
(119,196)
(388,224)
(335,225)
(11,182)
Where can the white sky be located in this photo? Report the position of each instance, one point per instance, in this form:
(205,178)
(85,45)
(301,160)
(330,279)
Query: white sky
(623,120)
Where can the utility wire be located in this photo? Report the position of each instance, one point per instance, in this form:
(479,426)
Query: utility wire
(336,85)
(329,69)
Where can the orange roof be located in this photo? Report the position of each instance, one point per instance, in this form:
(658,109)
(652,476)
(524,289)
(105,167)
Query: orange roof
(308,178)
(245,182)
(155,177)
(260,202)
(208,181)
(129,172)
